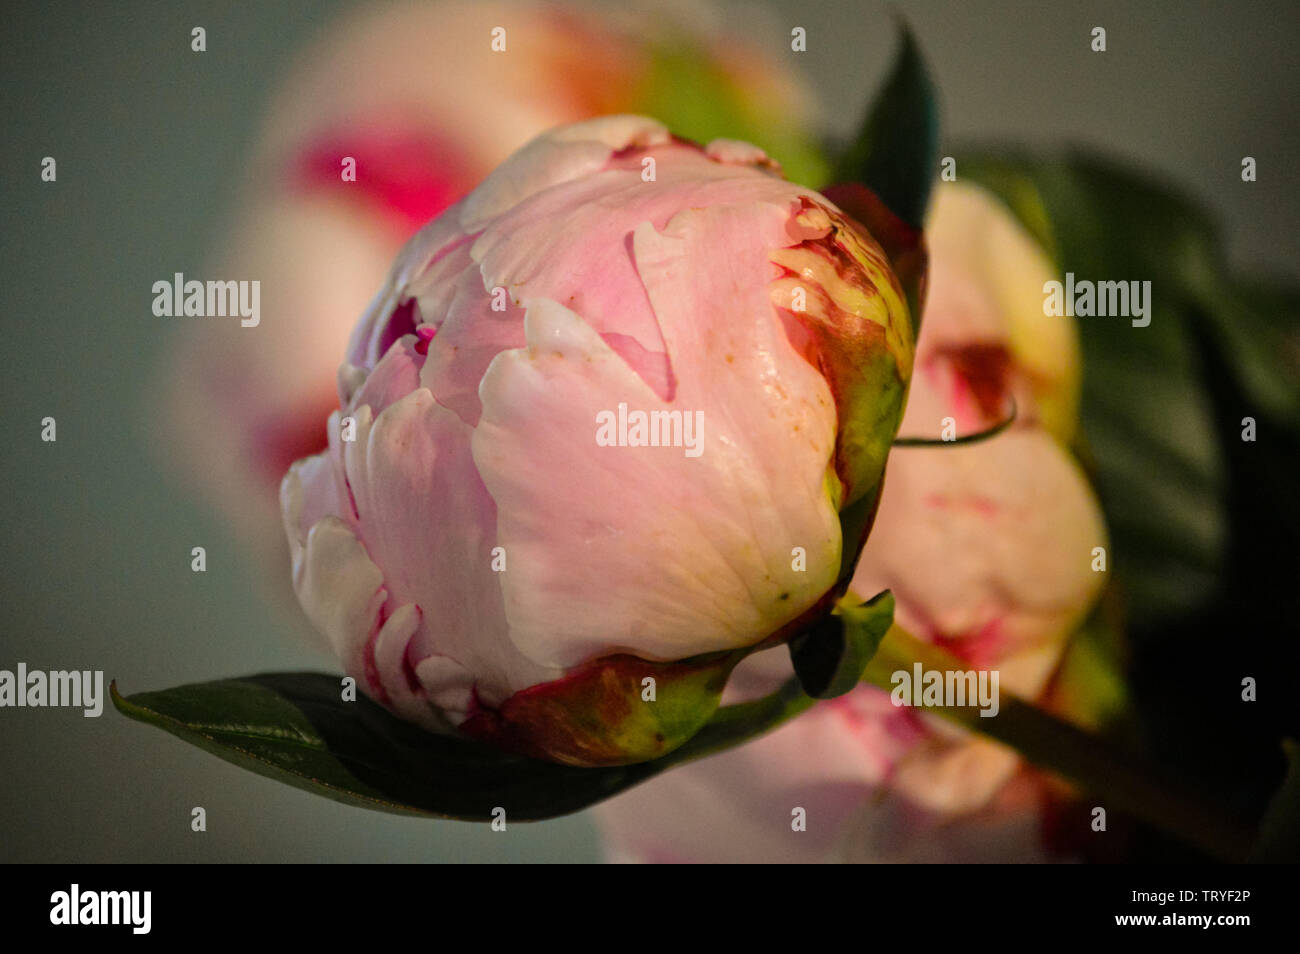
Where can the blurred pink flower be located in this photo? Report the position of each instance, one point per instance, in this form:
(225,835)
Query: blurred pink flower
(478,558)
(987,548)
(414,93)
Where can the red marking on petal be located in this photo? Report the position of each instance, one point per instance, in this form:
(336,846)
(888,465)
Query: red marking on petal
(982,647)
(368,654)
(903,244)
(403,321)
(425,334)
(983,372)
(409,176)
(902,724)
(295,434)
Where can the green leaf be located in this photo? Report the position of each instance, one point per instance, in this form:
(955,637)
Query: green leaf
(896,149)
(830,656)
(687,89)
(1148,417)
(296,729)
(1256,325)
(1195,512)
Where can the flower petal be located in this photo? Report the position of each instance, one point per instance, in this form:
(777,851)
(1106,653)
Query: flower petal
(425,517)
(555,157)
(341,590)
(581,522)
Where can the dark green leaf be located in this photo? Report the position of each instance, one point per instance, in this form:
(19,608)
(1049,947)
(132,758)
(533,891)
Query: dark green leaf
(1149,430)
(295,728)
(1202,522)
(896,149)
(1279,831)
(830,656)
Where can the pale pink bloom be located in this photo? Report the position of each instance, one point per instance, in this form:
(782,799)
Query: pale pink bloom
(988,551)
(569,285)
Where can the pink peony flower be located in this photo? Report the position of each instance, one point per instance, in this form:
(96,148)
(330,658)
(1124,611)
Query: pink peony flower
(493,540)
(415,94)
(987,548)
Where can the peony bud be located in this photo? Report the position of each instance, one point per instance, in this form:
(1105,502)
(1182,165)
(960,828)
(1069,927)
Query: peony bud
(582,464)
(987,548)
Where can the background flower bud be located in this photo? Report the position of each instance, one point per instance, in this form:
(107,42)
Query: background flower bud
(414,94)
(987,549)
(566,287)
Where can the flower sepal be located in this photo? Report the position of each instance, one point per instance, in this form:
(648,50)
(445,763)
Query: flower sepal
(830,656)
(617,710)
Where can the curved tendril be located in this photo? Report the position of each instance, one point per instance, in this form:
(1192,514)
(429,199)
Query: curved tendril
(984,435)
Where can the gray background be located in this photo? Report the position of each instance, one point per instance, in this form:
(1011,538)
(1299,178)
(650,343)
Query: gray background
(150,139)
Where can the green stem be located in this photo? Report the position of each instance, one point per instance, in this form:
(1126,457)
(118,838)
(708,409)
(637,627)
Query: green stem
(1135,786)
(736,724)
(1007,420)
